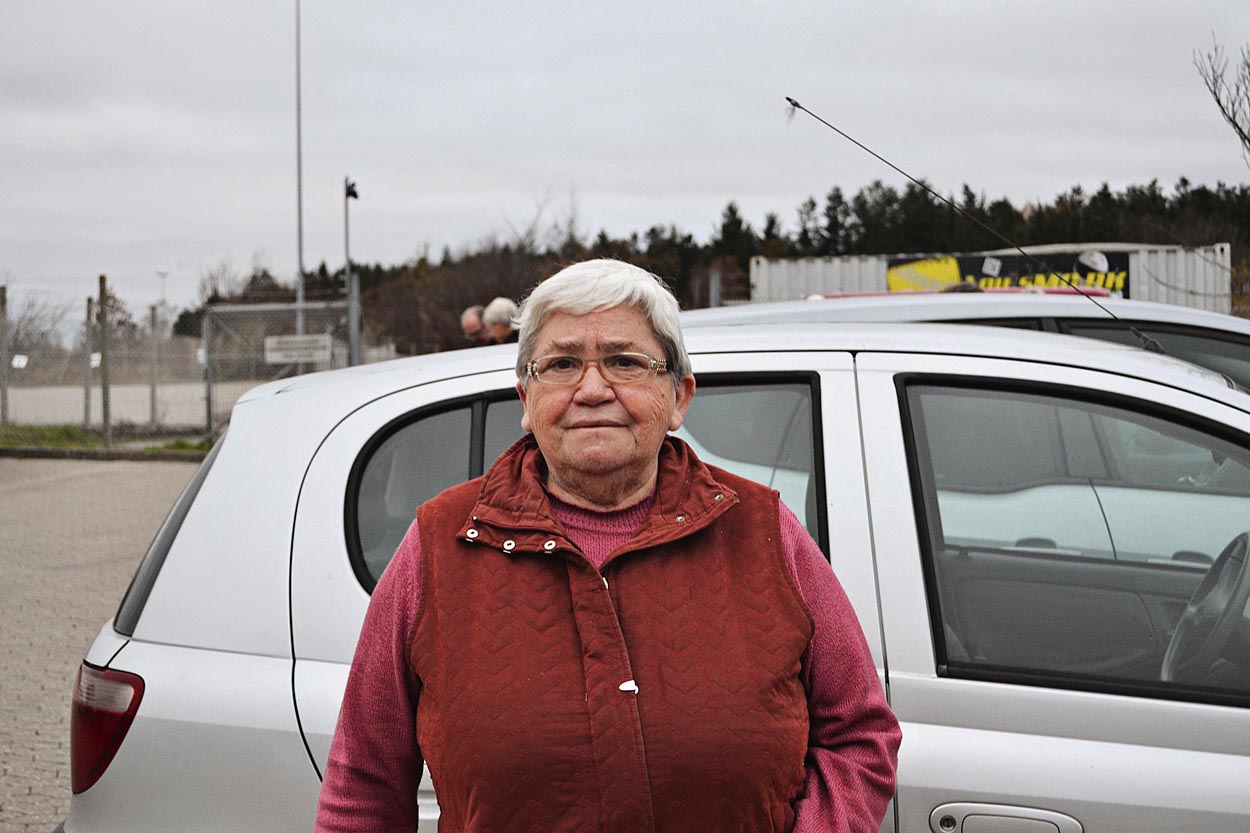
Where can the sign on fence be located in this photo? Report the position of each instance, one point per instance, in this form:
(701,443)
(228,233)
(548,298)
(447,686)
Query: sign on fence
(296,349)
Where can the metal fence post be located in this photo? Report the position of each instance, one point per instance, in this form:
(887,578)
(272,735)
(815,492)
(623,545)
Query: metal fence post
(206,332)
(88,341)
(156,358)
(102,314)
(353,282)
(4,355)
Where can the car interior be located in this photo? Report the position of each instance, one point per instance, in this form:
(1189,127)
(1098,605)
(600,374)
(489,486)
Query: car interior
(1074,539)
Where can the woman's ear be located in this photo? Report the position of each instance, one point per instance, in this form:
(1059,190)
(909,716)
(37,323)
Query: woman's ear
(685,392)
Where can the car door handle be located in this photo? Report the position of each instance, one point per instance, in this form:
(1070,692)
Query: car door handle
(967,817)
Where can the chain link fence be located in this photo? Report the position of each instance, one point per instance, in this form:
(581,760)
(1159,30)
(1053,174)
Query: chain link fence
(152,382)
(137,378)
(247,345)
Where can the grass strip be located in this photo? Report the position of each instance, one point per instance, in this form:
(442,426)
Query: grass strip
(52,436)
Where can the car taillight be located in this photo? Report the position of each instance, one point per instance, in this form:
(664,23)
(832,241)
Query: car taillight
(105,703)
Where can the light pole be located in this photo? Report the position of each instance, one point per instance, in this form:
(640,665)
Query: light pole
(299,184)
(353,285)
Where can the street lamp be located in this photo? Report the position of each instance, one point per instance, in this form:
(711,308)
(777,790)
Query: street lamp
(353,285)
(299,183)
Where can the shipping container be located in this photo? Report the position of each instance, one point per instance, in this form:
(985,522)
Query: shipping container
(1190,277)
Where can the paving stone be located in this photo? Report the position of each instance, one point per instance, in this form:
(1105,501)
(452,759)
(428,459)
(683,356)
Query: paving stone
(72,533)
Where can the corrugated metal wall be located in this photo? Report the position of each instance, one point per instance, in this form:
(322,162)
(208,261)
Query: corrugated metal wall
(1168,274)
(1186,277)
(789,279)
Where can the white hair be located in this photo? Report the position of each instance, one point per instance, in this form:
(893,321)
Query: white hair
(500,311)
(596,285)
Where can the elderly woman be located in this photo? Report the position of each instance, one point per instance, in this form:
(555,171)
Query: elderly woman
(602,633)
(497,318)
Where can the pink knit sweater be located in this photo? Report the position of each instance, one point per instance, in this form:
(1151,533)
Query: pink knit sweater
(375,760)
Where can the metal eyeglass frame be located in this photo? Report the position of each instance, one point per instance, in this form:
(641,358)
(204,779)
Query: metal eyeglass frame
(654,368)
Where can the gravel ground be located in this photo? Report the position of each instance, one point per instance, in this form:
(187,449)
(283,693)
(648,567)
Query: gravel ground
(71,534)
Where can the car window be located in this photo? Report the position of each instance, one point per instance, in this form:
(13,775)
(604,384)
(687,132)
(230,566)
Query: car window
(503,428)
(410,466)
(1223,352)
(762,431)
(1013,323)
(1067,540)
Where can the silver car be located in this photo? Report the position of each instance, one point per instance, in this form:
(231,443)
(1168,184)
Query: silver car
(1210,339)
(1045,539)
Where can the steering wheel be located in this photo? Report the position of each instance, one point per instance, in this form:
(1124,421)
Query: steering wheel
(1211,617)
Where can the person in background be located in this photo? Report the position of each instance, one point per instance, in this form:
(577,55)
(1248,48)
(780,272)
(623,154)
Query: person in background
(499,318)
(604,634)
(471,325)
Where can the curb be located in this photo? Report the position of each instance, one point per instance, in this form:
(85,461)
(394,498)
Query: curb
(141,454)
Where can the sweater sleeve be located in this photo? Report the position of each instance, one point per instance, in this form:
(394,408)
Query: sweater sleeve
(853,742)
(375,762)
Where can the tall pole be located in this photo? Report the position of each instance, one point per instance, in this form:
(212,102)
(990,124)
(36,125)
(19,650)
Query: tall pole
(156,354)
(102,327)
(299,181)
(206,332)
(4,355)
(353,287)
(87,343)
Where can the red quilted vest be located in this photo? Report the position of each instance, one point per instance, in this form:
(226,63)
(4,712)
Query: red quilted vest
(662,694)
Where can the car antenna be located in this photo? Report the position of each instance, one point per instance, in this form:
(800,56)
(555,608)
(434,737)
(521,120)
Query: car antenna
(1147,342)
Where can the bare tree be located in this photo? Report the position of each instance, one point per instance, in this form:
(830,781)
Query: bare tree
(1230,91)
(35,323)
(219,282)
(564,237)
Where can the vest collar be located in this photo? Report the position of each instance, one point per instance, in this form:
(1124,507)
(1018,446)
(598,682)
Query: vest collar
(513,512)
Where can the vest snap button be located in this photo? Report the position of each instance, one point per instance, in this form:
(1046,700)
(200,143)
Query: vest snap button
(549,546)
(509,545)
(629,685)
(472,533)
(720,497)
(681,519)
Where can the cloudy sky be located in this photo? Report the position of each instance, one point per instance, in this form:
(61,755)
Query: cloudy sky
(142,137)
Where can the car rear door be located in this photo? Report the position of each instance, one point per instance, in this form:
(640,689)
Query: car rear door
(1038,531)
(357,500)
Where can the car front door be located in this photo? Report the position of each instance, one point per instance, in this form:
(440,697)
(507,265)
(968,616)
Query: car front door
(1060,563)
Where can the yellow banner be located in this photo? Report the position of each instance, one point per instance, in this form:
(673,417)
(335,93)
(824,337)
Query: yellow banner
(933,273)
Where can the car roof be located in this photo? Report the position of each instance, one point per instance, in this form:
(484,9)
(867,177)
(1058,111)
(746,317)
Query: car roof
(339,391)
(962,306)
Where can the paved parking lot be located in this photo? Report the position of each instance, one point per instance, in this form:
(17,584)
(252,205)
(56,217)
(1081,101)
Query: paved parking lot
(71,534)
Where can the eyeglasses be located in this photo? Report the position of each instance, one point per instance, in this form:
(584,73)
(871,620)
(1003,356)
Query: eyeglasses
(617,368)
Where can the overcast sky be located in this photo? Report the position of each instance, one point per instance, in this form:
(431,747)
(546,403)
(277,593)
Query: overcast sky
(145,137)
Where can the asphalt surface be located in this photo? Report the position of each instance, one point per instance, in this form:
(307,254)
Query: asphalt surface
(71,534)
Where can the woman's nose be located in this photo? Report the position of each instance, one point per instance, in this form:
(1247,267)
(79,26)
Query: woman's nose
(593,387)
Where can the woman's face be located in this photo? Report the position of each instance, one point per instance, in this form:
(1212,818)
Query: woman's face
(598,438)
